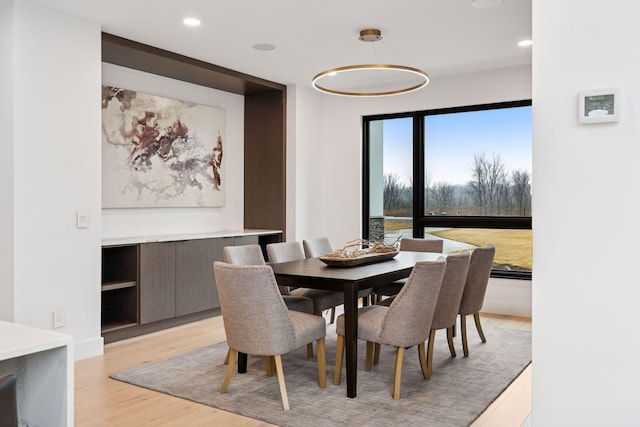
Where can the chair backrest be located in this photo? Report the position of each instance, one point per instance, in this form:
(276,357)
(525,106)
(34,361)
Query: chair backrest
(317,247)
(408,320)
(455,276)
(421,245)
(477,279)
(243,255)
(260,329)
(285,251)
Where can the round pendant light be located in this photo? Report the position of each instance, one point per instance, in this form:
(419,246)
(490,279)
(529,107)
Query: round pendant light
(370,79)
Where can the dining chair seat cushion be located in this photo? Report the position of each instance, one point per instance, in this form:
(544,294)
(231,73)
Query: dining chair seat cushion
(322,300)
(307,327)
(390,289)
(370,320)
(302,304)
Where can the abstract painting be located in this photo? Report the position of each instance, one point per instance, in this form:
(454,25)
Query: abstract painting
(160,152)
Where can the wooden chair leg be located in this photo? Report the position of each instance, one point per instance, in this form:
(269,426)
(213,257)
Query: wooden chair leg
(432,339)
(310,351)
(423,361)
(463,333)
(376,353)
(322,363)
(369,356)
(283,388)
(339,354)
(452,349)
(233,354)
(476,317)
(397,373)
(226,358)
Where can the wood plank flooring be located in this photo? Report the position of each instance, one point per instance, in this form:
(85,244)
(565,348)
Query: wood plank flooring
(100,401)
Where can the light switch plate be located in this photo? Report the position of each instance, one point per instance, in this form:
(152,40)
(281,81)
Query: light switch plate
(82,219)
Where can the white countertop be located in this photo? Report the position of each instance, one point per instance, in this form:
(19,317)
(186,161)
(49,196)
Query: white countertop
(19,340)
(177,237)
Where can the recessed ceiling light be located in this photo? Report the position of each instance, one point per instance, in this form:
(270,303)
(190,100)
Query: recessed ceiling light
(525,43)
(191,22)
(484,4)
(264,46)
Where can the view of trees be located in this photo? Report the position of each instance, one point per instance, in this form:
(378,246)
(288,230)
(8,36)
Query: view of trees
(492,190)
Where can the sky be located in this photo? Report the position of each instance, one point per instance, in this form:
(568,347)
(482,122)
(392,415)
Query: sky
(453,139)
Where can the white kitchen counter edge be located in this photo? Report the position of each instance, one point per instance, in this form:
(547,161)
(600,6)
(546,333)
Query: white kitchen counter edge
(118,241)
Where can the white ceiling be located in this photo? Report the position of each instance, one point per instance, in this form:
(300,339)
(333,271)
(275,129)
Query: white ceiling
(441,37)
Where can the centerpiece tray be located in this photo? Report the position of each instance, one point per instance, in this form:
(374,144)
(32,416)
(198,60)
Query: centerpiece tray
(336,261)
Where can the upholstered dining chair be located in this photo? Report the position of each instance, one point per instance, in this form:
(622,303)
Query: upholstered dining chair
(252,255)
(406,244)
(293,251)
(444,317)
(317,247)
(405,323)
(321,246)
(265,329)
(474,291)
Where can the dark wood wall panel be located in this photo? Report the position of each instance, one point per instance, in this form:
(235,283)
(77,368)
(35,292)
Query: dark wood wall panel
(265,165)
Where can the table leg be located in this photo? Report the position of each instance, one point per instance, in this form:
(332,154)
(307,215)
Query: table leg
(351,336)
(242,363)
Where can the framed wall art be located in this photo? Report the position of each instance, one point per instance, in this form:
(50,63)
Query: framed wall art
(599,106)
(160,152)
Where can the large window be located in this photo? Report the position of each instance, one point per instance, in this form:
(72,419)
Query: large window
(458,174)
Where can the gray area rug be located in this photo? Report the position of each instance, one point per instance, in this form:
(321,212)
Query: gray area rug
(459,390)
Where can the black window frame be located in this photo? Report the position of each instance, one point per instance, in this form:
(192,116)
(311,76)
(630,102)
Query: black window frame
(420,220)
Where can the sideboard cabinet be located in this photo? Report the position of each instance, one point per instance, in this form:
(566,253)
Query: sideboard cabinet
(151,285)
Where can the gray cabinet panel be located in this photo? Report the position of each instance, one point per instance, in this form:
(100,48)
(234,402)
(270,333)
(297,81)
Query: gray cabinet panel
(191,276)
(157,281)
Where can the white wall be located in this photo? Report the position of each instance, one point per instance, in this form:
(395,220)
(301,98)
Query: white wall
(585,182)
(56,146)
(328,167)
(153,221)
(6,160)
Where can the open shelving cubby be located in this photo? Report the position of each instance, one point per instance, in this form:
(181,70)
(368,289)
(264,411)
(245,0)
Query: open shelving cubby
(119,287)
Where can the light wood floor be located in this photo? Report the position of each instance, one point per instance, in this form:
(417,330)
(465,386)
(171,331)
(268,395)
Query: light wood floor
(100,401)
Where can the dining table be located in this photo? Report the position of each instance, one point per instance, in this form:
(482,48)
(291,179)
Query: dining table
(316,274)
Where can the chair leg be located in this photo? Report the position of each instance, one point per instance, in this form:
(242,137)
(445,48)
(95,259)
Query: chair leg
(226,358)
(452,349)
(339,354)
(230,368)
(432,339)
(271,365)
(376,353)
(463,333)
(310,351)
(369,356)
(423,361)
(333,315)
(283,388)
(476,317)
(397,373)
(322,363)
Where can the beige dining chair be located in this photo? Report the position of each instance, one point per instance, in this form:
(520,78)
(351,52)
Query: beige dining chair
(406,244)
(265,329)
(475,289)
(293,251)
(446,312)
(405,323)
(252,255)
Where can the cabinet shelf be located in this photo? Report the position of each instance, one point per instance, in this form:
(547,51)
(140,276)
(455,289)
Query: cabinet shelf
(111,286)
